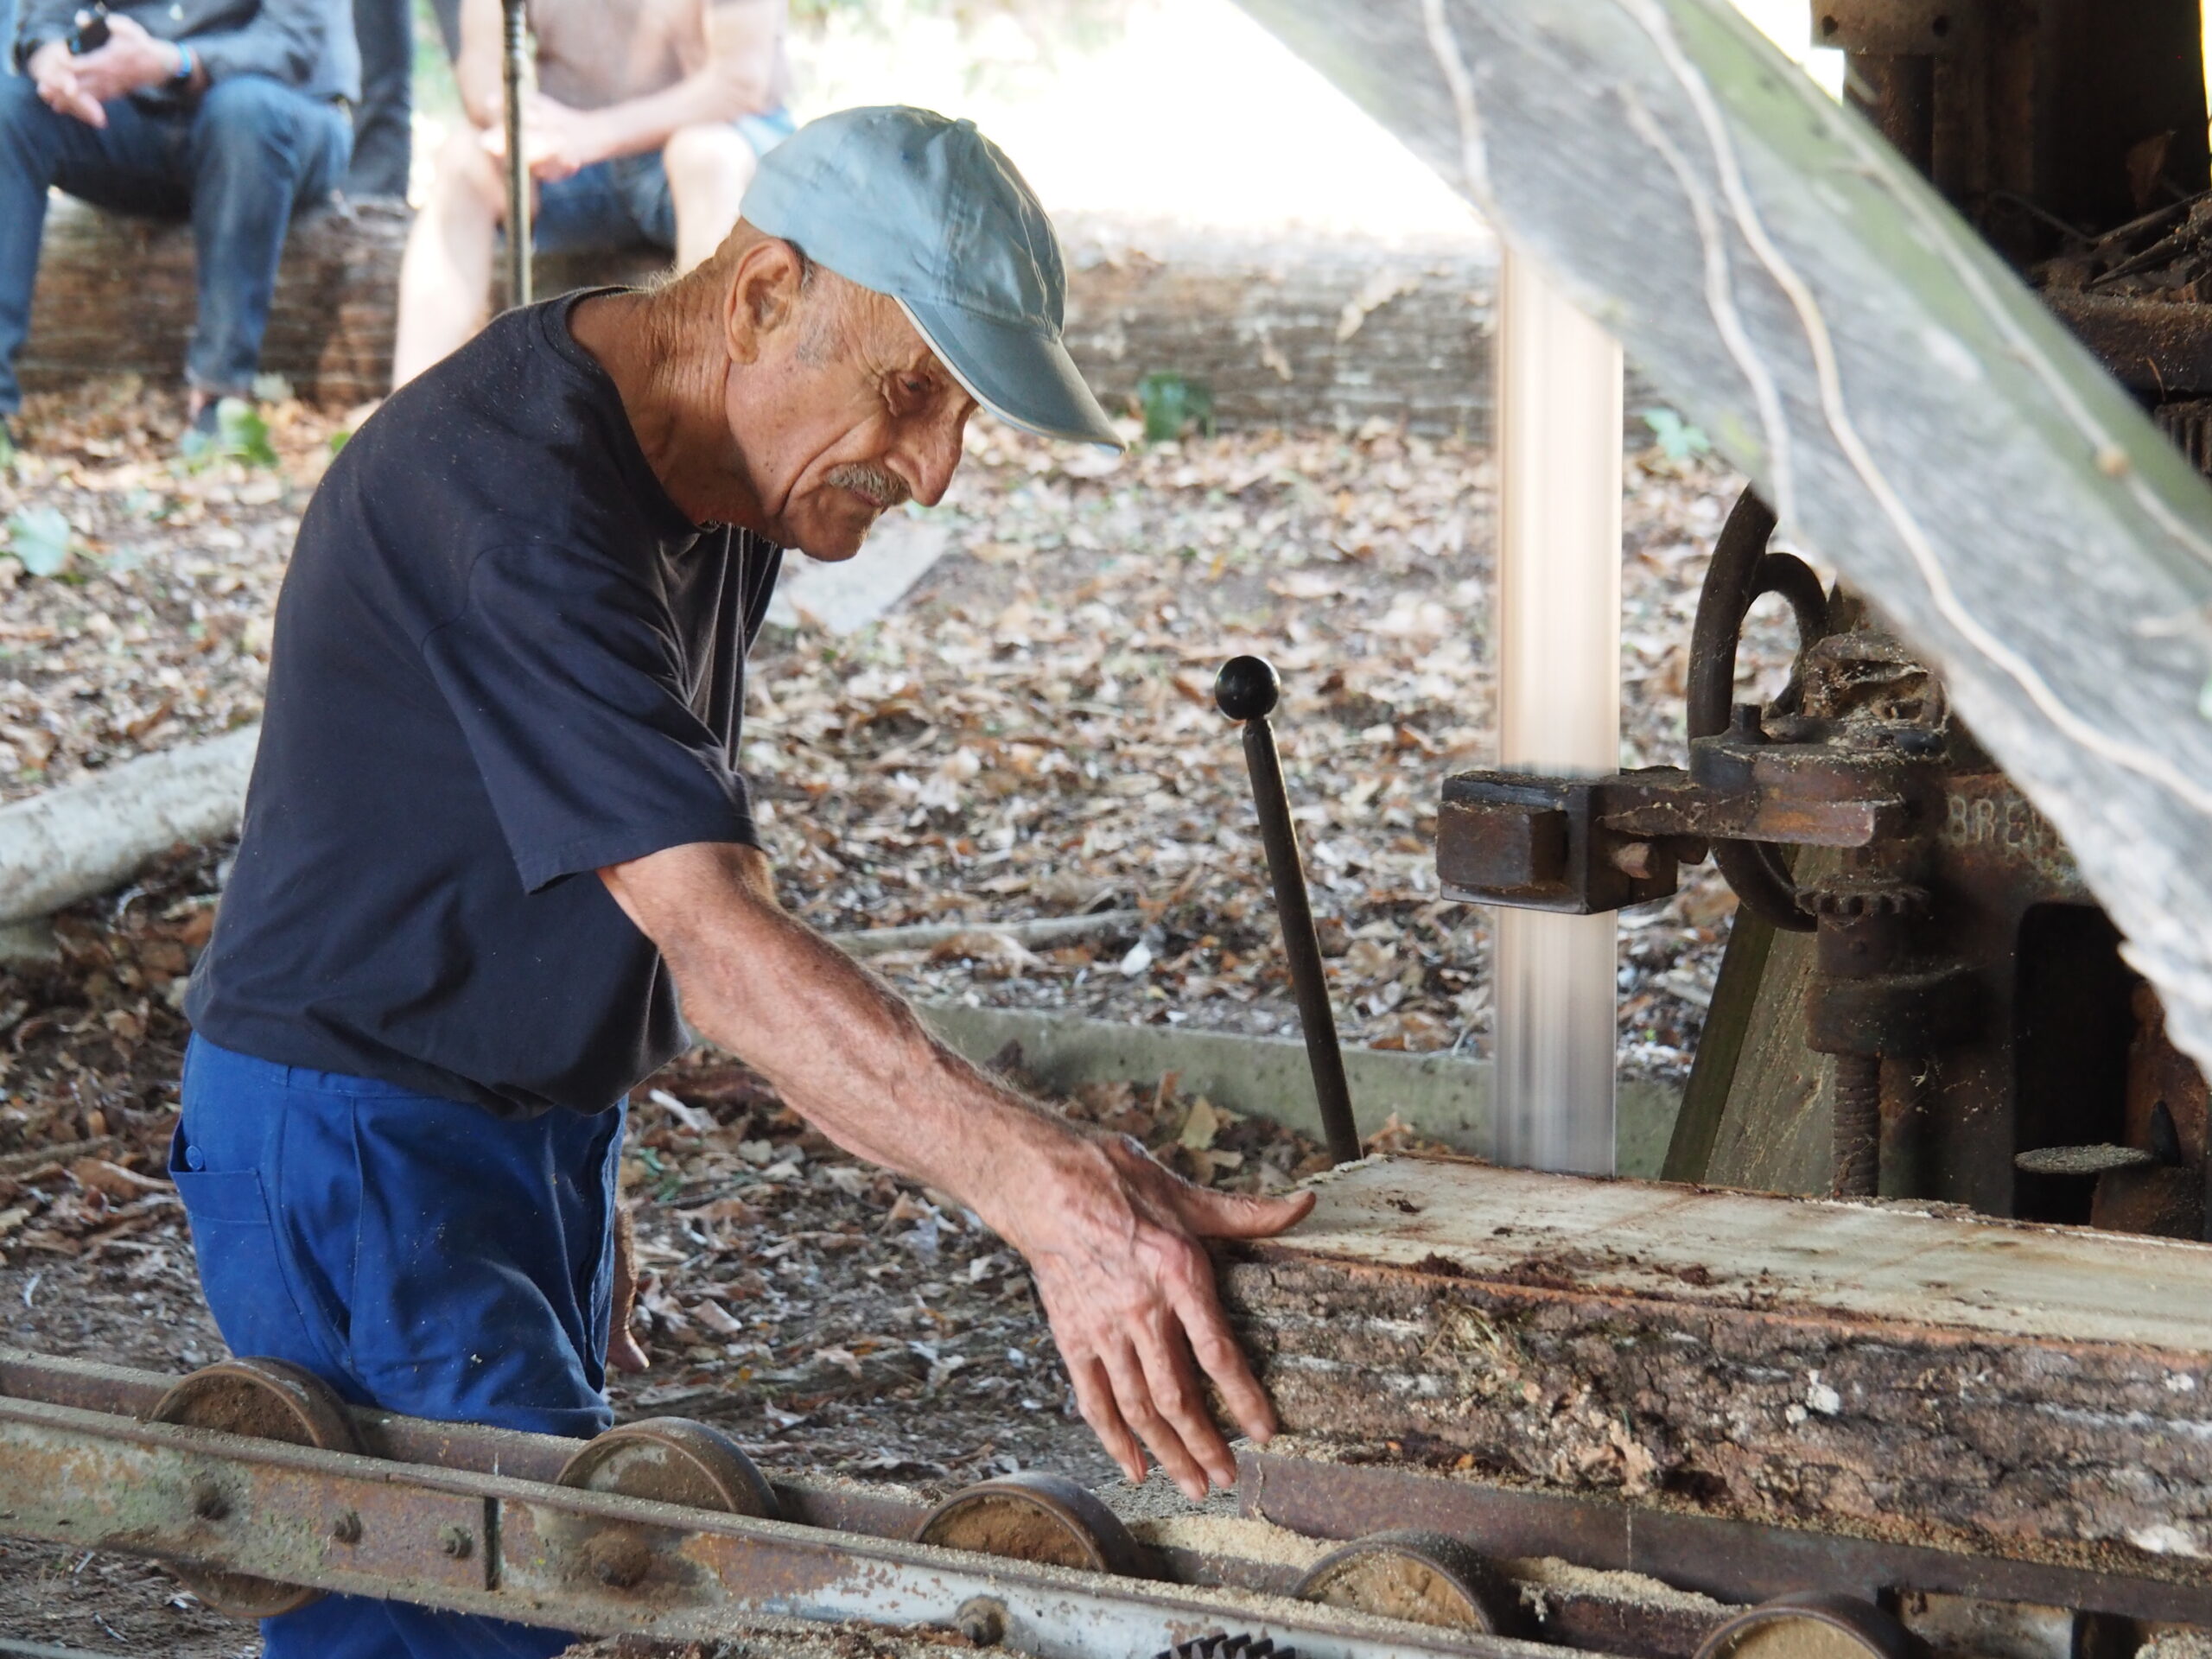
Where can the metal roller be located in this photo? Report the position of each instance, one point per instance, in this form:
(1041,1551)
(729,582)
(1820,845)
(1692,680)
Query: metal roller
(1037,1517)
(270,1400)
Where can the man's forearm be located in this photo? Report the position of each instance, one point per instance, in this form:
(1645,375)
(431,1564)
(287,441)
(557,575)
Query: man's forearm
(714,96)
(843,1049)
(1111,1236)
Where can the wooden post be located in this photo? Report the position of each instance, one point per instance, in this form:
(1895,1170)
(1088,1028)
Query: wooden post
(1557,640)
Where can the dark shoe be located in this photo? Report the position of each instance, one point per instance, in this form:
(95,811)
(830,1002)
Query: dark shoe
(11,442)
(207,423)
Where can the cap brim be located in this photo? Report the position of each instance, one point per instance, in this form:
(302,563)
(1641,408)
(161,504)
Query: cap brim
(1026,379)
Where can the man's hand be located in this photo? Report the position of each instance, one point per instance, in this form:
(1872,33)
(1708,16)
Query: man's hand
(623,1353)
(131,61)
(558,140)
(1113,1238)
(53,72)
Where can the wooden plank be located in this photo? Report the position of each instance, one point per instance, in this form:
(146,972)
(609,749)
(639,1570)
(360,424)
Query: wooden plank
(1886,1370)
(1914,413)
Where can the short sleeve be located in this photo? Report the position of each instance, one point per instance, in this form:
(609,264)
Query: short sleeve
(571,691)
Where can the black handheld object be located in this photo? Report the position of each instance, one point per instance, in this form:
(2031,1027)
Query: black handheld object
(88,31)
(1246,689)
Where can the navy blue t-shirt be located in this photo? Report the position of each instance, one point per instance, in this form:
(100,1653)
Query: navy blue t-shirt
(503,661)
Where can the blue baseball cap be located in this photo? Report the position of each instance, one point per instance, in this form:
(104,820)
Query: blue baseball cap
(926,210)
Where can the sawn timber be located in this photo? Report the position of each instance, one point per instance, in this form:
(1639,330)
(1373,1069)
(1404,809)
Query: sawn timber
(1890,1371)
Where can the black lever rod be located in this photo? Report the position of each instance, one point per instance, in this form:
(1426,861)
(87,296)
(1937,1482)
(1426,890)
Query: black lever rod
(1246,689)
(514,69)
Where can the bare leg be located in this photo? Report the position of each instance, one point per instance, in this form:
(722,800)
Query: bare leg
(708,167)
(445,280)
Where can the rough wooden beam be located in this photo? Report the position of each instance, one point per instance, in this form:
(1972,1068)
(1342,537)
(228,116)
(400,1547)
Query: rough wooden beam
(1912,411)
(1924,1377)
(1307,332)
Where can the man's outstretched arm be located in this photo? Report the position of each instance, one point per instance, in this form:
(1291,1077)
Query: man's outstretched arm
(1112,1237)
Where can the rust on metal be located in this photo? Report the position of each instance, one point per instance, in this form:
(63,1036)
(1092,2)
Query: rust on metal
(1034,1516)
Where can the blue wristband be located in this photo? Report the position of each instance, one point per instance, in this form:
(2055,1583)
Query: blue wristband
(185,64)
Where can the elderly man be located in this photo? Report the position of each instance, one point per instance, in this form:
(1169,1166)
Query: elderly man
(232,111)
(647,122)
(495,835)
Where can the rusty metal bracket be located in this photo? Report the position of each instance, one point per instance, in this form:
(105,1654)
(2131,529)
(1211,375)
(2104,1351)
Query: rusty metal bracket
(1932,28)
(1583,845)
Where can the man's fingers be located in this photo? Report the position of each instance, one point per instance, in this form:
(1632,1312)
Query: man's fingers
(1239,1214)
(1132,1394)
(1176,1396)
(1094,1398)
(1214,1348)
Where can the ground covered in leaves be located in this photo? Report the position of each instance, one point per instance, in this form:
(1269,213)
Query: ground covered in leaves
(1031,734)
(833,1318)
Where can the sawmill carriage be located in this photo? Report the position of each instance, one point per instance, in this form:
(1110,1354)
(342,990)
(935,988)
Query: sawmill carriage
(1971,974)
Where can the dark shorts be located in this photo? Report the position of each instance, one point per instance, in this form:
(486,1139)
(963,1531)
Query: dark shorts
(417,1254)
(620,203)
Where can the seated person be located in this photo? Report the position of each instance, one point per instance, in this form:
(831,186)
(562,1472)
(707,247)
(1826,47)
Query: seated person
(647,120)
(229,111)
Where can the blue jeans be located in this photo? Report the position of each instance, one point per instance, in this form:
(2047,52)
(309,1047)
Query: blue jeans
(237,164)
(384,148)
(417,1254)
(625,201)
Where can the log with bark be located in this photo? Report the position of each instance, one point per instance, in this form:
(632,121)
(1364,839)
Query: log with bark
(1898,1372)
(1281,332)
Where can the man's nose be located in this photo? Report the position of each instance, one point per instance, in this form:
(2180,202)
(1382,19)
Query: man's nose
(926,461)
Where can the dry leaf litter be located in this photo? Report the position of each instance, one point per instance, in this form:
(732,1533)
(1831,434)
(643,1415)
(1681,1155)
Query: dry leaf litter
(1030,733)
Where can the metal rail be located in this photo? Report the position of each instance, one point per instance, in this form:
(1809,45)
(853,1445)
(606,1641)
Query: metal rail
(1734,1561)
(498,1543)
(465,1517)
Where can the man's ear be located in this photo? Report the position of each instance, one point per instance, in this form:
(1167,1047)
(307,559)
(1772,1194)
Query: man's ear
(763,298)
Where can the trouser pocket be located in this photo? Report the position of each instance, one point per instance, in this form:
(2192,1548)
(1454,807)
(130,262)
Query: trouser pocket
(236,1249)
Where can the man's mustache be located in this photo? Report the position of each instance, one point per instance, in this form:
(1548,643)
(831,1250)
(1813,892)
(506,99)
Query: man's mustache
(886,489)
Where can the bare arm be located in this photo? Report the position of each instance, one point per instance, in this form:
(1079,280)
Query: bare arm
(476,72)
(1111,1235)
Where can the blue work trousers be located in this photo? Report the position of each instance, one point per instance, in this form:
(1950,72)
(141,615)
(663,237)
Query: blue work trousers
(417,1254)
(237,164)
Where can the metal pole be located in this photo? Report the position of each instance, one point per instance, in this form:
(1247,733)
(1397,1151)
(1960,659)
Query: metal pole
(1246,689)
(515,69)
(1557,656)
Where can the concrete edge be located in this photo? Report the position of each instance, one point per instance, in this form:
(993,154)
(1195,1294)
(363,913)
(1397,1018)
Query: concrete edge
(1435,1095)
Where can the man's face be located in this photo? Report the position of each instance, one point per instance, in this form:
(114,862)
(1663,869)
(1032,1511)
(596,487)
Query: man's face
(847,414)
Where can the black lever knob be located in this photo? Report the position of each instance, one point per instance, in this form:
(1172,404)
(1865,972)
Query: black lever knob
(1247,689)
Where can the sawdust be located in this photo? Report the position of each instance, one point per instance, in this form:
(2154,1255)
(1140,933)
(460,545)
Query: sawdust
(2177,1643)
(1539,1574)
(1239,1539)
